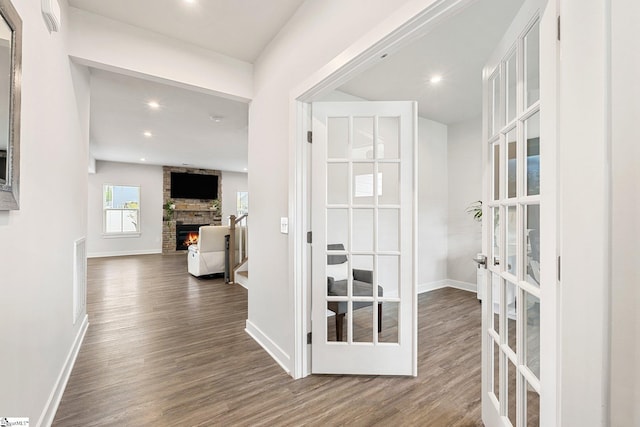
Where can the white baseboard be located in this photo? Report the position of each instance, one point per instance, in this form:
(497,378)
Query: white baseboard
(432,286)
(439,284)
(464,286)
(269,346)
(49,413)
(123,253)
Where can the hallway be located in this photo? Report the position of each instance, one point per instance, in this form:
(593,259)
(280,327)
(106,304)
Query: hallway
(165,348)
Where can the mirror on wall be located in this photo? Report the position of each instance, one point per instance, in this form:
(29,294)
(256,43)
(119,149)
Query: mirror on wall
(10,77)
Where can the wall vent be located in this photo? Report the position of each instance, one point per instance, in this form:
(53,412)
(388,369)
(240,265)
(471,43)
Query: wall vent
(79,278)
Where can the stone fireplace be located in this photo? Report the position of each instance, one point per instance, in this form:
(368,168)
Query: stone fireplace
(188,212)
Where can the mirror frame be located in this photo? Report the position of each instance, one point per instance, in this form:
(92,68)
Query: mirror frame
(10,191)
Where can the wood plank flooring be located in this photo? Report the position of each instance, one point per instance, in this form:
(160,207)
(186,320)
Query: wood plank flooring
(166,349)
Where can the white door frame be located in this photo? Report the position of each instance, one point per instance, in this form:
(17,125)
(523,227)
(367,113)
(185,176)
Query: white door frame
(409,23)
(406,25)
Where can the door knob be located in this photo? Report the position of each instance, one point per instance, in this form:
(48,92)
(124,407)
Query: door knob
(481,260)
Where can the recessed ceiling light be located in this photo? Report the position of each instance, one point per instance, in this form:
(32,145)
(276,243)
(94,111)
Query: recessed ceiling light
(190,1)
(216,119)
(245,169)
(142,159)
(153,104)
(436,79)
(147,134)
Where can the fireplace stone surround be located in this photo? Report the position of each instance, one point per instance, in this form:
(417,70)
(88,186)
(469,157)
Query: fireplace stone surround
(187,211)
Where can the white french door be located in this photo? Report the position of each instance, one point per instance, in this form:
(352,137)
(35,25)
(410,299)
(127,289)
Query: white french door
(364,317)
(516,240)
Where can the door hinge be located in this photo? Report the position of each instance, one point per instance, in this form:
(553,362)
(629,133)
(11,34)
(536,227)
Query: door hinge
(309,237)
(559,268)
(309,137)
(558,27)
(308,337)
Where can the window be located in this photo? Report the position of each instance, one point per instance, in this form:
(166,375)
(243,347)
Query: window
(242,202)
(121,205)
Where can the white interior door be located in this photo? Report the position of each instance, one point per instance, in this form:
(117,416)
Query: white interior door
(364,317)
(514,237)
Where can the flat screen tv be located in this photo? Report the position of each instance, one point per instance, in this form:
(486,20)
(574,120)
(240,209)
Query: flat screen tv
(193,186)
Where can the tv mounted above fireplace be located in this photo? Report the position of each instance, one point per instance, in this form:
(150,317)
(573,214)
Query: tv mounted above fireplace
(193,186)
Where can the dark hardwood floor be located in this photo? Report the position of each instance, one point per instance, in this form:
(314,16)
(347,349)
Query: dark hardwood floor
(166,349)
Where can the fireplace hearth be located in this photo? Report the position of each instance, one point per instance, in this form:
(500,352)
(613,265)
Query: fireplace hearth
(186,235)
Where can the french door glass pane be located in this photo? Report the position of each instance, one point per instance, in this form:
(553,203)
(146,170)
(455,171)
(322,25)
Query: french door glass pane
(512,80)
(532,65)
(496,283)
(390,316)
(338,137)
(511,392)
(532,137)
(512,164)
(362,138)
(363,184)
(338,227)
(510,300)
(497,182)
(496,368)
(494,107)
(532,244)
(389,274)
(388,229)
(389,183)
(532,334)
(389,140)
(533,407)
(495,237)
(337,183)
(362,321)
(362,230)
(512,259)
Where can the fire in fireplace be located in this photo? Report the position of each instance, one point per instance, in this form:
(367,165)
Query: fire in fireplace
(186,235)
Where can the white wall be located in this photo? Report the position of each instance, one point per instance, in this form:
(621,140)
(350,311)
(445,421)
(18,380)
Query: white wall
(232,182)
(36,273)
(104,43)
(303,46)
(149,179)
(625,242)
(433,195)
(465,187)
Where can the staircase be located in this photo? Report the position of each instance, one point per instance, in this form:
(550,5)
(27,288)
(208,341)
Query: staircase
(238,250)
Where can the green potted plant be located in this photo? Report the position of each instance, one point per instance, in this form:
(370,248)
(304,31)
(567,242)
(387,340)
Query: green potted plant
(169,208)
(216,205)
(475,209)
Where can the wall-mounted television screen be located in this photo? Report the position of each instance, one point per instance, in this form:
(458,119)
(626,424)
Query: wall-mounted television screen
(193,186)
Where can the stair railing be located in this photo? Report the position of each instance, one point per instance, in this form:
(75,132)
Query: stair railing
(238,249)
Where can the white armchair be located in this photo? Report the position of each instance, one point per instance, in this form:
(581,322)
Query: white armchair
(207,256)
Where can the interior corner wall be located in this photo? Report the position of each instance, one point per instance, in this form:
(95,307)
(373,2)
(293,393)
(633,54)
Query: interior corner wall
(465,187)
(36,270)
(232,182)
(625,238)
(433,195)
(317,33)
(149,179)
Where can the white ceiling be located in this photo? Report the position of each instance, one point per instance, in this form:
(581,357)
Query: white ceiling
(183,132)
(457,50)
(237,28)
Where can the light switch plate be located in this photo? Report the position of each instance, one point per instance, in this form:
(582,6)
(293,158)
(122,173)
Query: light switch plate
(284,225)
